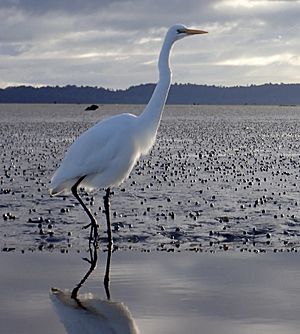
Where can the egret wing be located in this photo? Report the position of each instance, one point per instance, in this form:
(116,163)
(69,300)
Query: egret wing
(93,152)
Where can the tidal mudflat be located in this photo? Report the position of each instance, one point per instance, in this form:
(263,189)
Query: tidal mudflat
(218,178)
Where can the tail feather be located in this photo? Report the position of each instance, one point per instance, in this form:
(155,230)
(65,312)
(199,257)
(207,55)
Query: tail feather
(61,188)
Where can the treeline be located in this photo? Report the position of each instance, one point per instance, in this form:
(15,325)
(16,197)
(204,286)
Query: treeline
(287,94)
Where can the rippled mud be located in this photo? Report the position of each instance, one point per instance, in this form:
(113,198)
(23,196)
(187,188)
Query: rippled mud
(218,178)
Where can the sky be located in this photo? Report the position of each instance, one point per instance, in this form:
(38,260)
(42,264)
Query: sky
(115,43)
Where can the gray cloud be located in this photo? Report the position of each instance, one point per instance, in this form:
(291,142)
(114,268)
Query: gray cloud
(37,7)
(116,43)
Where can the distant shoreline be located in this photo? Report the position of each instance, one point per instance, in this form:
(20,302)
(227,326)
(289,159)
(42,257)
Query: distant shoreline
(185,94)
(144,104)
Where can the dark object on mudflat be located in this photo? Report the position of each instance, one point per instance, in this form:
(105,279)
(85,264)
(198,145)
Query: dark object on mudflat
(92,107)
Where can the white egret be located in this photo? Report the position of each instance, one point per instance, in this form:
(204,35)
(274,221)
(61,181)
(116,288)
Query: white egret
(104,155)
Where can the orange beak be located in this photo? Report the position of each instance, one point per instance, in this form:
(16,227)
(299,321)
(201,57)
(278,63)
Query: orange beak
(194,31)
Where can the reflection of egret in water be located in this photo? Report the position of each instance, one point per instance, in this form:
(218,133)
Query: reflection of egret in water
(84,314)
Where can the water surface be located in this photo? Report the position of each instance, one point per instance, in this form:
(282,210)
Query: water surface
(234,293)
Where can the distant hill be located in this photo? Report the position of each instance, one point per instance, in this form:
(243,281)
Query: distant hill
(287,94)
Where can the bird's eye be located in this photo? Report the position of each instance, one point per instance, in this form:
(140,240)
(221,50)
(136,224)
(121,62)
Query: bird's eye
(180,31)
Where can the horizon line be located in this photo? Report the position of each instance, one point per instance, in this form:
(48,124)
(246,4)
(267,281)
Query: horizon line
(149,83)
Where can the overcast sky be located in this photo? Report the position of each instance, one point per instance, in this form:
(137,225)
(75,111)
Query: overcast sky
(115,43)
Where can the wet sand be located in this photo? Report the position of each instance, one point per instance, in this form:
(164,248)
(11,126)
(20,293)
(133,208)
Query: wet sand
(218,178)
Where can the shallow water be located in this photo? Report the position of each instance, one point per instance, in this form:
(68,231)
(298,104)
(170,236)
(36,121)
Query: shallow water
(184,292)
(218,178)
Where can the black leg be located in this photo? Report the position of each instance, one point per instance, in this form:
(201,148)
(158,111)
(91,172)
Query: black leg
(107,214)
(107,272)
(93,224)
(110,242)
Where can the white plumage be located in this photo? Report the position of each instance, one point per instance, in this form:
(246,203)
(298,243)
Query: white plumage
(106,153)
(97,154)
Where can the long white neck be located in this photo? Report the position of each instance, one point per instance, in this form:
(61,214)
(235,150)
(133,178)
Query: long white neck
(150,118)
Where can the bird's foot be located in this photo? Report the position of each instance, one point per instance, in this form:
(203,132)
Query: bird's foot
(89,225)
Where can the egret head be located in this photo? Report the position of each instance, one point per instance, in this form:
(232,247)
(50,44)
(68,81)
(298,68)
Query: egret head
(179,31)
